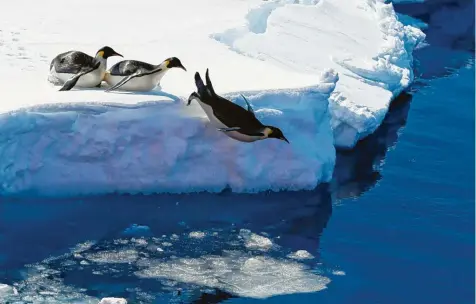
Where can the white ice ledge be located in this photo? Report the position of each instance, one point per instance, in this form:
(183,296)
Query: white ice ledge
(92,142)
(165,146)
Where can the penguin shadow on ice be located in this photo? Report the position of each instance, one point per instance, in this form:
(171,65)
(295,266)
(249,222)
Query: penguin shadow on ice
(235,121)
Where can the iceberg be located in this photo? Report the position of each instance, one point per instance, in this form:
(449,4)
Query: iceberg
(325,83)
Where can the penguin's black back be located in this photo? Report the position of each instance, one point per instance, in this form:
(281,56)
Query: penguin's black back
(127,67)
(72,62)
(229,113)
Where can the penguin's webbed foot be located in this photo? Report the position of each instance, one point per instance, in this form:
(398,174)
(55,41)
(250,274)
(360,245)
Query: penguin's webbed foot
(192,96)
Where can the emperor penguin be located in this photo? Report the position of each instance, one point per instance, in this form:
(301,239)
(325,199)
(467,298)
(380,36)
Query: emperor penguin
(133,75)
(235,121)
(75,68)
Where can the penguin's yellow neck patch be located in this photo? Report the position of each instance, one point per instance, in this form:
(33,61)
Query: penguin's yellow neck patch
(267,131)
(166,63)
(100,54)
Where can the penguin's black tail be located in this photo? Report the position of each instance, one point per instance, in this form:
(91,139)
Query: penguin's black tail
(201,88)
(204,90)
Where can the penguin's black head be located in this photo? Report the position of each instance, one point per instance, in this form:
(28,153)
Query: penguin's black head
(107,52)
(174,62)
(274,132)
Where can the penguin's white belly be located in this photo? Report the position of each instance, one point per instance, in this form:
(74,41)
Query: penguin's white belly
(144,83)
(88,80)
(218,124)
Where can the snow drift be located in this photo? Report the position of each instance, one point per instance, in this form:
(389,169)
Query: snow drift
(288,59)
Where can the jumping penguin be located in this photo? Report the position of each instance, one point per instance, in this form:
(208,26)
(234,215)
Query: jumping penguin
(236,122)
(75,68)
(133,75)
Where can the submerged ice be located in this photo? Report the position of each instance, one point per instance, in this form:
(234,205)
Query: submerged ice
(221,260)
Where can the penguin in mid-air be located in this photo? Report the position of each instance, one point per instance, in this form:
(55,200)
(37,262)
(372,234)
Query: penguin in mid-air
(133,75)
(75,68)
(235,121)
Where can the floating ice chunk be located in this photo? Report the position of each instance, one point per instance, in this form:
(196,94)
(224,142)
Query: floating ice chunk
(43,286)
(255,241)
(7,291)
(140,242)
(113,301)
(196,235)
(137,230)
(238,273)
(82,247)
(113,256)
(338,272)
(300,255)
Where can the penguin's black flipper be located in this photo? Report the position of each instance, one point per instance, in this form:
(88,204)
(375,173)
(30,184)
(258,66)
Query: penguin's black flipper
(122,82)
(238,128)
(250,108)
(229,129)
(137,73)
(70,83)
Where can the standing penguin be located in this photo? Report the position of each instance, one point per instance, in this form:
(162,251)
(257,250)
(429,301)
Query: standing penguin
(75,68)
(236,122)
(133,75)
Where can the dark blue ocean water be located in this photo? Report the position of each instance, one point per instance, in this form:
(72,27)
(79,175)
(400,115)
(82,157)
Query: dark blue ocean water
(395,226)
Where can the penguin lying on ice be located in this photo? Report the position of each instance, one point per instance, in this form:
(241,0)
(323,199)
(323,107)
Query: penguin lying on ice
(236,122)
(133,75)
(75,68)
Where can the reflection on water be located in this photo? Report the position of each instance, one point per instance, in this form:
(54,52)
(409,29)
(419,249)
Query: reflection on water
(192,248)
(358,170)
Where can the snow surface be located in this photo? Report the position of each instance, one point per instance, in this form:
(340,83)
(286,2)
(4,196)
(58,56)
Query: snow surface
(286,58)
(362,40)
